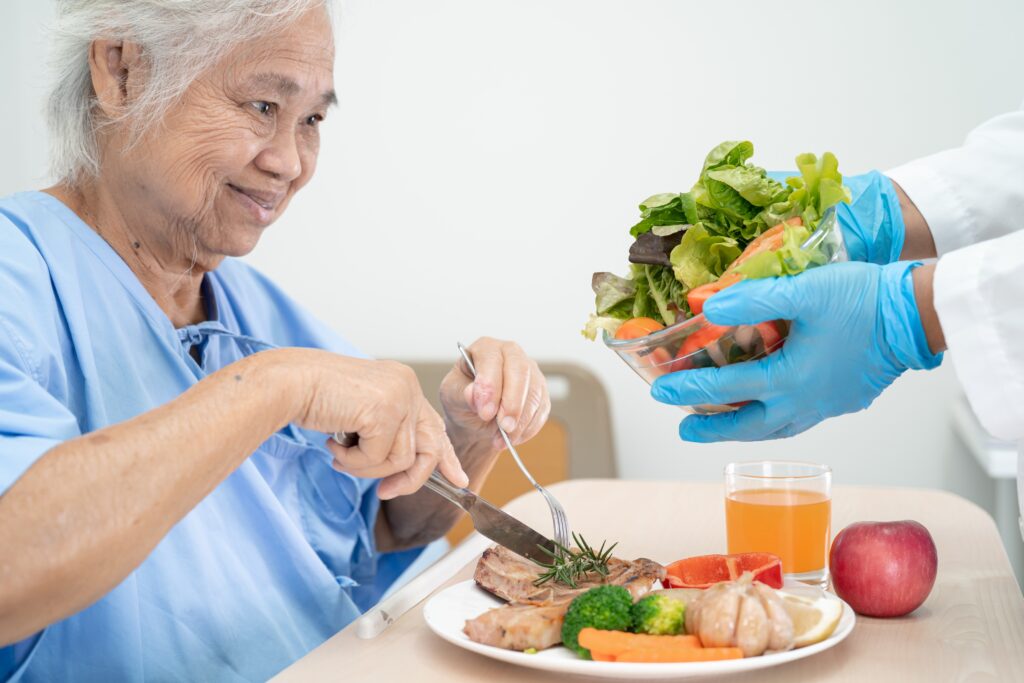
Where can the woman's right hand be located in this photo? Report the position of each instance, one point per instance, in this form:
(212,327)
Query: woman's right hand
(401,438)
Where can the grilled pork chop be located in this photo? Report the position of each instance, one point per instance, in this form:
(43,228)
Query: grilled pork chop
(511,577)
(519,627)
(535,613)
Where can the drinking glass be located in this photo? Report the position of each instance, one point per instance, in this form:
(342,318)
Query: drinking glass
(783,508)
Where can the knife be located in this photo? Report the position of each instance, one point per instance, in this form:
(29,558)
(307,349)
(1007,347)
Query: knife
(488,520)
(494,523)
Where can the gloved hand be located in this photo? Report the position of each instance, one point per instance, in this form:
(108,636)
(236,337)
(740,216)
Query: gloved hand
(872,222)
(855,329)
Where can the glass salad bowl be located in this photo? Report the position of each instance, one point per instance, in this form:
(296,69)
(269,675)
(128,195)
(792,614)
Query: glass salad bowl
(697,343)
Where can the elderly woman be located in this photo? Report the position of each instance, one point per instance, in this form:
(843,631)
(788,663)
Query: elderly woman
(171,506)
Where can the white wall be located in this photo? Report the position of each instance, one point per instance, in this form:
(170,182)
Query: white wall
(22,89)
(488,156)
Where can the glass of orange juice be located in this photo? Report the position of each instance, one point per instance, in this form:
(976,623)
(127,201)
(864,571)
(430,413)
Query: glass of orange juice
(783,508)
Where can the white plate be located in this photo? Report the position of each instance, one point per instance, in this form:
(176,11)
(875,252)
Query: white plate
(446,614)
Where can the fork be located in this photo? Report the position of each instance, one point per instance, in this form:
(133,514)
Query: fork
(558,517)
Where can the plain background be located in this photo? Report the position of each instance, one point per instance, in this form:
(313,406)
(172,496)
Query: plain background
(487,156)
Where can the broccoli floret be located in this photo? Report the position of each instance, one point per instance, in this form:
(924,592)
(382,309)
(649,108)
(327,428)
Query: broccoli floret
(658,615)
(605,607)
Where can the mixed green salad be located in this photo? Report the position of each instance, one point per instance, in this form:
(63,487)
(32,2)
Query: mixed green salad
(736,222)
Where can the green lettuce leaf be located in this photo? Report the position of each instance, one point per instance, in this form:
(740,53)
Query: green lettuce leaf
(668,208)
(643,304)
(725,200)
(614,302)
(613,295)
(818,187)
(598,323)
(731,195)
(728,153)
(668,293)
(775,213)
(701,257)
(751,183)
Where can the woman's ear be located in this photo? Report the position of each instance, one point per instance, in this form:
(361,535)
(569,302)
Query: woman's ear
(113,64)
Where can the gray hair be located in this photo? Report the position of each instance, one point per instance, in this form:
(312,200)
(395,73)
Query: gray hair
(179,40)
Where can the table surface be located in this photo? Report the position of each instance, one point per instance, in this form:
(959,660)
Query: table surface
(970,628)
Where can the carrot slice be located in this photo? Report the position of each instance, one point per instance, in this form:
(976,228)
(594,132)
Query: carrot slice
(697,296)
(769,240)
(614,642)
(634,328)
(683,654)
(601,657)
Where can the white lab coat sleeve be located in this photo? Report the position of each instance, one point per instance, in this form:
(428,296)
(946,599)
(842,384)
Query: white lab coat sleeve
(971,193)
(979,297)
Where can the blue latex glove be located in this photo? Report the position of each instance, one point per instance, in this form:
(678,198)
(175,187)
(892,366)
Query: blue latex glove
(855,329)
(872,222)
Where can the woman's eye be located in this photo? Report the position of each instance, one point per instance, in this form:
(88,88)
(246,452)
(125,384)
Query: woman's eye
(314,120)
(262,107)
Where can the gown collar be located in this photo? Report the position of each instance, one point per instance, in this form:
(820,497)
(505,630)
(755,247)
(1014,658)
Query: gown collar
(183,337)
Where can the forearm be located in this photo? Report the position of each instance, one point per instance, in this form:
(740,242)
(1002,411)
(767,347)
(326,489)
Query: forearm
(918,242)
(90,510)
(418,519)
(924,295)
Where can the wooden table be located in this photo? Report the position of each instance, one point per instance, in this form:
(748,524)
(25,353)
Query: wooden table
(970,629)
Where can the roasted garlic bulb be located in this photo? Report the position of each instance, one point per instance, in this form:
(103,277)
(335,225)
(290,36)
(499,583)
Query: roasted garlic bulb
(741,613)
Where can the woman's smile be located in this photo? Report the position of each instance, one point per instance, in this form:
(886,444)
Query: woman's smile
(261,205)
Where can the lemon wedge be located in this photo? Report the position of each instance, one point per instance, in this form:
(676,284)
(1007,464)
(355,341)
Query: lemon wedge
(814,619)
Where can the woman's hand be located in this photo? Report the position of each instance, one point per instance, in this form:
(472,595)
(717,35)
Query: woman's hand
(509,386)
(401,438)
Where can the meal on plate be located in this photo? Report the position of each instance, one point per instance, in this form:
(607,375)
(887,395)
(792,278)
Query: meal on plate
(736,222)
(606,609)
(536,610)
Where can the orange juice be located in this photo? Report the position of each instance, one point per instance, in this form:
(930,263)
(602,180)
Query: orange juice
(792,524)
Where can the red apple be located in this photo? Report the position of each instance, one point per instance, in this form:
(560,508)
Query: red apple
(883,569)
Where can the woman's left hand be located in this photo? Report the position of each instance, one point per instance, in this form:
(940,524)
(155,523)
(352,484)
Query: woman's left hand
(509,386)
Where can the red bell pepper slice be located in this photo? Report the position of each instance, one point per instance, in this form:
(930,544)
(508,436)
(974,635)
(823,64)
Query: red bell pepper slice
(704,571)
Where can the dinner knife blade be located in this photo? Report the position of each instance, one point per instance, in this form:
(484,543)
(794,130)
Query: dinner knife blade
(495,523)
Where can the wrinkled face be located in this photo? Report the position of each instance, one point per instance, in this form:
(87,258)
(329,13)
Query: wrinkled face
(244,139)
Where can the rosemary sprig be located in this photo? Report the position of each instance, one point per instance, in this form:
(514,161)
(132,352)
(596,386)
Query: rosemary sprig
(568,566)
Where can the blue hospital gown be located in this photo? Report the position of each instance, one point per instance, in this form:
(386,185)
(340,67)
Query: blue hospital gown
(274,561)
